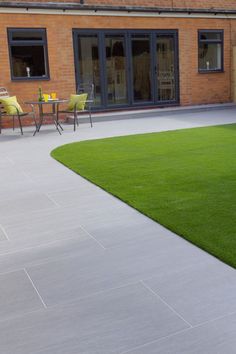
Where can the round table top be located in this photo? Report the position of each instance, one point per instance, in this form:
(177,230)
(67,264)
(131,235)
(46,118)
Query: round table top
(50,101)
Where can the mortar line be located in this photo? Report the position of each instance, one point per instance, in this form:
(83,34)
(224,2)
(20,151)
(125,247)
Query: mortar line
(46,244)
(99,243)
(156,340)
(170,307)
(10,160)
(40,297)
(4,231)
(176,333)
(52,200)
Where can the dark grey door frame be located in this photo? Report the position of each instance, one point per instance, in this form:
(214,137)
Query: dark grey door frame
(153,34)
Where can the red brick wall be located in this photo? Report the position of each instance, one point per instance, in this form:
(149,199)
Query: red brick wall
(195,88)
(207,4)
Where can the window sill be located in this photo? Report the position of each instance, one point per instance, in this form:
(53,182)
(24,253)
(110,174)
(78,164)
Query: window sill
(210,71)
(30,78)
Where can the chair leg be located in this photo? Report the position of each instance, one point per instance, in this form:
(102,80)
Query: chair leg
(90,117)
(0,123)
(13,122)
(20,124)
(57,118)
(75,118)
(35,122)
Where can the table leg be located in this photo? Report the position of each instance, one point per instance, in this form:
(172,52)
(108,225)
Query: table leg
(55,113)
(40,119)
(55,118)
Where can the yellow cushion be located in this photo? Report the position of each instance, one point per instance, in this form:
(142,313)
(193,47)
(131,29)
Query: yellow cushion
(78,100)
(10,105)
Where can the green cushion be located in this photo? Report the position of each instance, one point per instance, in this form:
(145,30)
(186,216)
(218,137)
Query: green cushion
(79,100)
(10,105)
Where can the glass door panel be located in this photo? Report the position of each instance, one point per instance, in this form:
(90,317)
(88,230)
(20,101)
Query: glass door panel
(166,76)
(141,65)
(116,69)
(89,65)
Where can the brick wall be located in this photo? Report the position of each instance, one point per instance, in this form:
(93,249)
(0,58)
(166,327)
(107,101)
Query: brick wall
(207,4)
(195,88)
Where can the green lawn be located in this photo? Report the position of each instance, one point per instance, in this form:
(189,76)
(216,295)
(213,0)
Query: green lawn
(184,179)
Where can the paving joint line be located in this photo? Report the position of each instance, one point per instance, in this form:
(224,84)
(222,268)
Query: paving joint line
(47,244)
(34,286)
(10,160)
(4,232)
(177,333)
(99,243)
(156,340)
(52,200)
(77,299)
(170,307)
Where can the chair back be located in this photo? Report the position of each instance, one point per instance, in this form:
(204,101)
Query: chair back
(3,93)
(86,88)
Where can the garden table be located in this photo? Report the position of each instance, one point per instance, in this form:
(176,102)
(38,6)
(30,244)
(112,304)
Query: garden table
(54,104)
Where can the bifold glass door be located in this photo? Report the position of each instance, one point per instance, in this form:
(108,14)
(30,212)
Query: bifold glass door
(116,70)
(141,68)
(128,68)
(89,63)
(166,72)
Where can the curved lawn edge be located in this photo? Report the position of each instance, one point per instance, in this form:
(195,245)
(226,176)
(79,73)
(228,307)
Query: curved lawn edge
(187,206)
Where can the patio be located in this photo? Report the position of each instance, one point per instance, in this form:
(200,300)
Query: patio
(82,272)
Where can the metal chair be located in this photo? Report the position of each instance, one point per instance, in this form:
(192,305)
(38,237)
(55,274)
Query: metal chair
(4,94)
(81,89)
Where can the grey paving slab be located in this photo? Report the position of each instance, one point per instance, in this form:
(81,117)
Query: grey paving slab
(49,221)
(124,229)
(26,202)
(87,194)
(215,337)
(17,297)
(46,253)
(29,240)
(4,163)
(76,277)
(200,293)
(104,324)
(80,244)
(59,219)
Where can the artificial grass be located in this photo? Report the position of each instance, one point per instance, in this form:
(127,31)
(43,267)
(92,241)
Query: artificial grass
(184,179)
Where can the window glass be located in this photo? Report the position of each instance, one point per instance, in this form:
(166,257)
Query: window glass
(89,66)
(28,54)
(166,68)
(141,65)
(27,36)
(210,54)
(116,70)
(210,36)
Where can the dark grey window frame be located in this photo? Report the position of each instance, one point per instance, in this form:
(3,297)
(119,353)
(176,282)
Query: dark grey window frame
(40,42)
(211,41)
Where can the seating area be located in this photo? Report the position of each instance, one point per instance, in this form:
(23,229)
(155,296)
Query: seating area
(9,107)
(80,102)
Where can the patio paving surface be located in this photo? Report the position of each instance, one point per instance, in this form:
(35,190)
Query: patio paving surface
(83,273)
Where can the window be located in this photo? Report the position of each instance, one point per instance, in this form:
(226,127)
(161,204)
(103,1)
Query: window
(210,55)
(28,54)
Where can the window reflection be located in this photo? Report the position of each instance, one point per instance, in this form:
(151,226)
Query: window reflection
(89,63)
(165,68)
(141,68)
(116,70)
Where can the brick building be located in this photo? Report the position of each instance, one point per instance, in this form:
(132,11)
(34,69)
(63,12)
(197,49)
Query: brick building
(136,52)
